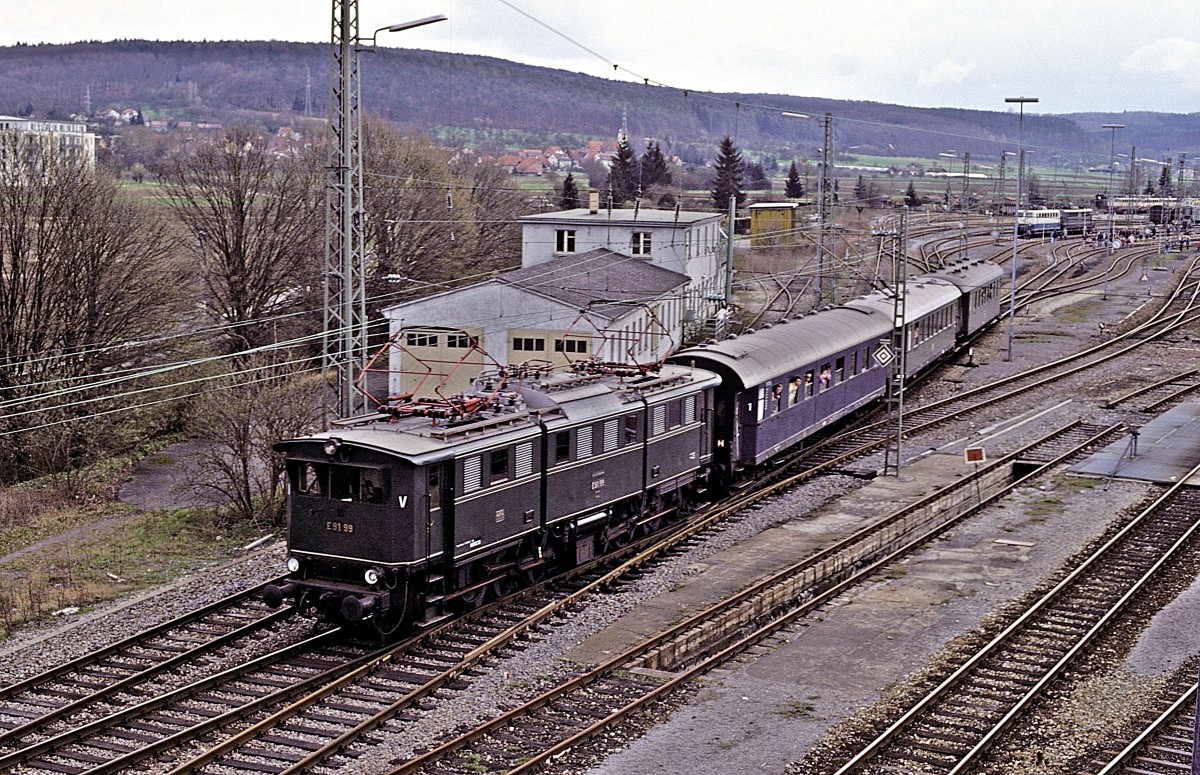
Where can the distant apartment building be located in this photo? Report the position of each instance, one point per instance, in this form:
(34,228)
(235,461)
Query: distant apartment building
(59,140)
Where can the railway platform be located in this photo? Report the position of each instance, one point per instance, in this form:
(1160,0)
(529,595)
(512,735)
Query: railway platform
(1161,451)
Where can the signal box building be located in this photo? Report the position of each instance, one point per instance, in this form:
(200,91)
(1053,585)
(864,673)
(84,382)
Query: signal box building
(773,223)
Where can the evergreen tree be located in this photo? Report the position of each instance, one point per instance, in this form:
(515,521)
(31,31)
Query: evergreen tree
(861,192)
(756,177)
(654,166)
(1164,181)
(910,196)
(568,198)
(728,182)
(623,174)
(793,186)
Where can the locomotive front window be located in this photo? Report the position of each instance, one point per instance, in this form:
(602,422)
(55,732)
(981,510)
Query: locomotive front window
(337,482)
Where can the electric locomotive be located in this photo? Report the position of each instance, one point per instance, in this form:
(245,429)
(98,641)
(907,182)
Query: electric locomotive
(436,505)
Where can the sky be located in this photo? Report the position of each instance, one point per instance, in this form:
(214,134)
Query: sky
(1098,56)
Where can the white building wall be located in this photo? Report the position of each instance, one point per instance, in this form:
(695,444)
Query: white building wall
(493,311)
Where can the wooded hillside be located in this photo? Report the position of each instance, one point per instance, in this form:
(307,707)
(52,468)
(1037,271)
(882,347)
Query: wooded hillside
(485,101)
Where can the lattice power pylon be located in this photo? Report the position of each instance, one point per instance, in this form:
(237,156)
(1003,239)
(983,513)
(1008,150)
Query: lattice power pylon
(345,337)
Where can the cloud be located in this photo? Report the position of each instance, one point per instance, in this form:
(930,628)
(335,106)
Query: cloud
(944,73)
(1177,57)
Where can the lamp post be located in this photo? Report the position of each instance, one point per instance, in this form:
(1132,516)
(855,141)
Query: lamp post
(1112,160)
(1012,297)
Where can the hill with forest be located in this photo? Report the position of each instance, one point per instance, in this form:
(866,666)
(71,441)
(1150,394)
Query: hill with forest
(492,103)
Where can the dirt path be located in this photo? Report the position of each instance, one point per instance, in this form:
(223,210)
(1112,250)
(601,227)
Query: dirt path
(161,481)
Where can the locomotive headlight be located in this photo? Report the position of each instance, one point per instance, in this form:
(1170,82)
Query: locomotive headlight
(331,446)
(293,564)
(371,576)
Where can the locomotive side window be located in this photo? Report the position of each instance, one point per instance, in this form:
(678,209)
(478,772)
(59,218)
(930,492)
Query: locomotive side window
(674,414)
(632,425)
(434,479)
(499,462)
(562,447)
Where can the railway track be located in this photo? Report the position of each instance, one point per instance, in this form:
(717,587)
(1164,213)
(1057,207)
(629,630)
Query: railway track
(951,728)
(1164,747)
(588,705)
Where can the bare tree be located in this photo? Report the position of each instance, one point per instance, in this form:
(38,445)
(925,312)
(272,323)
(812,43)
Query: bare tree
(432,215)
(85,274)
(253,406)
(256,221)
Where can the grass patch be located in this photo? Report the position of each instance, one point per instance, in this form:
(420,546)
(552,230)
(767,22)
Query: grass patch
(1044,506)
(101,563)
(797,709)
(897,571)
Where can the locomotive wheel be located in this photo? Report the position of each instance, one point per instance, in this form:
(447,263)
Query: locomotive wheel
(470,576)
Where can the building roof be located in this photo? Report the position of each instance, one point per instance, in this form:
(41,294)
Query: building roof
(598,277)
(625,216)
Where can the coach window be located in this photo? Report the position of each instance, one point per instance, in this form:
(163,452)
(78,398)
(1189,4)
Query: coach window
(854,363)
(839,370)
(826,377)
(499,465)
(793,391)
(562,447)
(808,384)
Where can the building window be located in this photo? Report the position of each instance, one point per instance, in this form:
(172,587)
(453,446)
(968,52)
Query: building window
(570,346)
(421,340)
(459,341)
(564,241)
(640,243)
(528,344)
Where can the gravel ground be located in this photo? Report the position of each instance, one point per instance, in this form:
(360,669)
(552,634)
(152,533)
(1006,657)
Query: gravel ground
(765,714)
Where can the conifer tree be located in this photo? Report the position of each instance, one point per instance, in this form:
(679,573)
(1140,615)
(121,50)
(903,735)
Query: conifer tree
(568,198)
(623,175)
(728,182)
(654,166)
(793,186)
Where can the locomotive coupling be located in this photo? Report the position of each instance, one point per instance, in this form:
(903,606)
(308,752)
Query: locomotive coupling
(274,595)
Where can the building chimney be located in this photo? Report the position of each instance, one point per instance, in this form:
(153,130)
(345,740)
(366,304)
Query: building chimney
(593,202)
